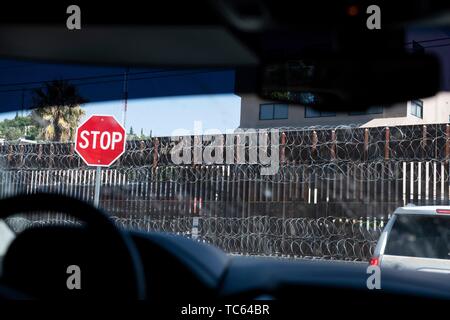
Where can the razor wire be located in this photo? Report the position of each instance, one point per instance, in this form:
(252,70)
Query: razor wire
(292,173)
(304,154)
(315,238)
(146,190)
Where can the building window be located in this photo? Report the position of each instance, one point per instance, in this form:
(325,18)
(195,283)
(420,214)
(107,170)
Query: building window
(417,108)
(273,111)
(311,112)
(266,112)
(370,110)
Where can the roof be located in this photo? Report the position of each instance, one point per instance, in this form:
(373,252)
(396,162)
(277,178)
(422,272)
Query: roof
(412,209)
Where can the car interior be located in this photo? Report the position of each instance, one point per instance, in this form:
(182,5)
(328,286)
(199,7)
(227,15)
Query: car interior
(314,53)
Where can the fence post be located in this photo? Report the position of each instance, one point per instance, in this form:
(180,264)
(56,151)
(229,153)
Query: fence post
(423,142)
(314,144)
(155,154)
(333,144)
(447,156)
(21,152)
(141,149)
(447,142)
(39,152)
(10,154)
(366,144)
(386,143)
(51,155)
(71,151)
(283,147)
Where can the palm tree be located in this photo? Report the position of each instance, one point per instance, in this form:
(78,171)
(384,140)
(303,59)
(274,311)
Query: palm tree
(58,110)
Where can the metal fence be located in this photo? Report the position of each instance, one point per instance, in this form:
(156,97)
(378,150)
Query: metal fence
(350,190)
(321,238)
(356,175)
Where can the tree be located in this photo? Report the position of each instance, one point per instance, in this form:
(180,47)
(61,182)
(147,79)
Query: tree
(19,127)
(58,110)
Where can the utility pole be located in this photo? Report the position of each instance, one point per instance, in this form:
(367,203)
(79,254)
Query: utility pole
(125,97)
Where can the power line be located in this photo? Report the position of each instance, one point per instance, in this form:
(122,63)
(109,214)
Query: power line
(120,80)
(19,66)
(82,78)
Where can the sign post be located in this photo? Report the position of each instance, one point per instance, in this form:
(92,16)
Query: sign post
(98,178)
(100,141)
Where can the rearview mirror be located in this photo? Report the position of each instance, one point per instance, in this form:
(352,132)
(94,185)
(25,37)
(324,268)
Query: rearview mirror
(350,82)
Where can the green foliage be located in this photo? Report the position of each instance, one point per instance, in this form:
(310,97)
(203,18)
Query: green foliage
(131,135)
(58,111)
(19,127)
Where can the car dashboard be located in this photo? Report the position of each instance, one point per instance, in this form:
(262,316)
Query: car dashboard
(181,269)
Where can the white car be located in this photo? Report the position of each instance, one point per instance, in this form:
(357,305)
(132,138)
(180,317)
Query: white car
(417,238)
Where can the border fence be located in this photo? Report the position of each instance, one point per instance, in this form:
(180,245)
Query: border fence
(315,238)
(332,194)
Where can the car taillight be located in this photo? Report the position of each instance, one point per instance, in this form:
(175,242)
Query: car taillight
(443,211)
(374,261)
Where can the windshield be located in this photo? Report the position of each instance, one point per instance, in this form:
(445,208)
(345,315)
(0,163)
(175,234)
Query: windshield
(214,165)
(225,168)
(420,236)
(184,151)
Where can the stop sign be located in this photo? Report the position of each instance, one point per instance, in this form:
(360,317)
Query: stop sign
(100,140)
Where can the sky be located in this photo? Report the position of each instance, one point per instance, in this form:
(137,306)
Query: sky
(159,100)
(162,116)
(435,41)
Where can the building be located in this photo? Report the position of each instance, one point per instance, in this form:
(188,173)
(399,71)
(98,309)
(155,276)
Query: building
(259,113)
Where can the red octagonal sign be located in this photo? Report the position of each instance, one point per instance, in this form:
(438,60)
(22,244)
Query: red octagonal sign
(100,140)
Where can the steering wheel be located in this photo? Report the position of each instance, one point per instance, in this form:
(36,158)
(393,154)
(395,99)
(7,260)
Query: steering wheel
(98,232)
